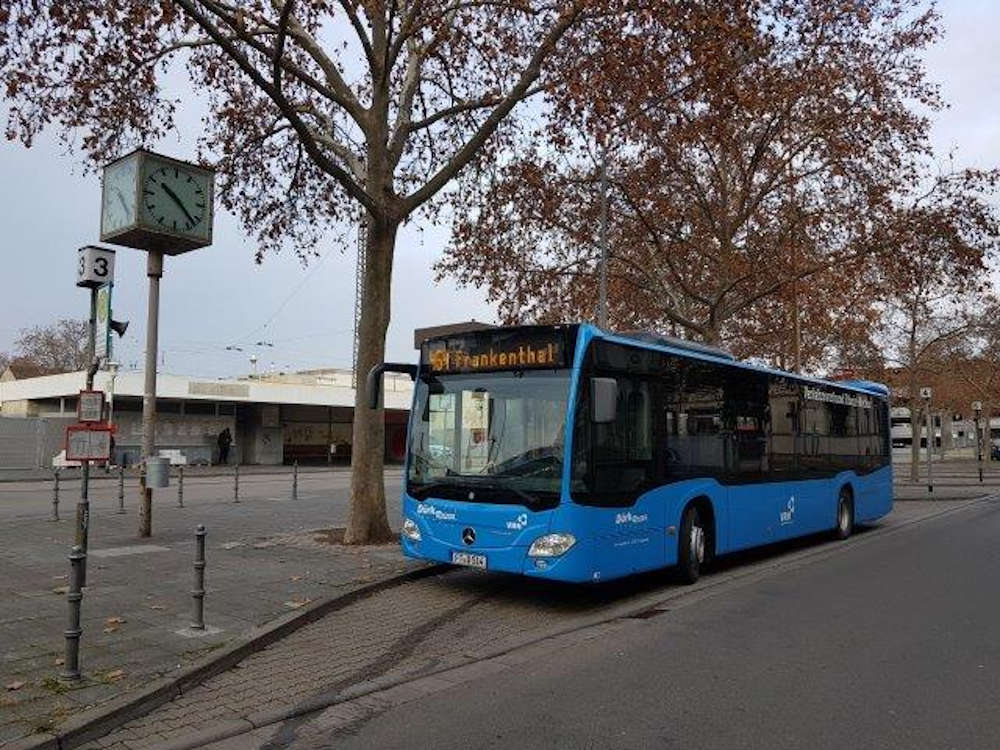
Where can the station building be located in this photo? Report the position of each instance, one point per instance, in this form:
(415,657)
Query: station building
(273,418)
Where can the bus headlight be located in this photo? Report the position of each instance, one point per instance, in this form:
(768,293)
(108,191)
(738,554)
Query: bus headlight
(410,530)
(551,545)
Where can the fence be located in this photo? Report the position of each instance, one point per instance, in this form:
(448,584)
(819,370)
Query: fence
(31,442)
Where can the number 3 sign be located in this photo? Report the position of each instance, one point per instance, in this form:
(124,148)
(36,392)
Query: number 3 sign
(94,266)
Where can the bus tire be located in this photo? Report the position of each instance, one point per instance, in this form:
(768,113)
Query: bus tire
(845,515)
(691,546)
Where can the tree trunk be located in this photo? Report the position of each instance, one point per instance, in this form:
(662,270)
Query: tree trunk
(368,521)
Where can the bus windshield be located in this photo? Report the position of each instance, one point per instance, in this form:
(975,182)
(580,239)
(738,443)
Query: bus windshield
(490,437)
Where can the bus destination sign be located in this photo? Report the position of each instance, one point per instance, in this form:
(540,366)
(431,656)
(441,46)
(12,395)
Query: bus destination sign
(511,350)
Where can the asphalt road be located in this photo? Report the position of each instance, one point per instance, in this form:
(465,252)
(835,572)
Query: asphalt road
(888,644)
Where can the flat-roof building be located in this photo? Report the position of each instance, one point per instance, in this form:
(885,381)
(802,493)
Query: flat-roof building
(274,418)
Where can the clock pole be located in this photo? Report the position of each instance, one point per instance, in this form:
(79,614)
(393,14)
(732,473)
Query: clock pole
(166,209)
(154,270)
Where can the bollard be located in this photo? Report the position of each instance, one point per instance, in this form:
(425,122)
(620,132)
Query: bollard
(121,489)
(198,592)
(180,486)
(295,480)
(71,664)
(236,483)
(55,496)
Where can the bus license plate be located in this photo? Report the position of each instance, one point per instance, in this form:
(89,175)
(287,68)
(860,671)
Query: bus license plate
(468,559)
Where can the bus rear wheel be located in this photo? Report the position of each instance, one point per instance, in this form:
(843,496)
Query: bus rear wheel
(691,546)
(845,515)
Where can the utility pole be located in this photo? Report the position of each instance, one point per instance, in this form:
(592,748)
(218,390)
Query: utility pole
(602,310)
(977,407)
(925,394)
(360,269)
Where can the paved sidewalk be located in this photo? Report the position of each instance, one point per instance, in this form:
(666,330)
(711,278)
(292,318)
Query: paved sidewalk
(952,479)
(267,556)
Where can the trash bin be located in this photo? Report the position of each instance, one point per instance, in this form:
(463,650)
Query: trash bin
(157,472)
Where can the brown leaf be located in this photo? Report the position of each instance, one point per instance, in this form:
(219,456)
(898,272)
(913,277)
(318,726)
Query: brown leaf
(115,620)
(16,685)
(114,675)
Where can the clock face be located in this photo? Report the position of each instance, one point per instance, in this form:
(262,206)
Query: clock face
(176,200)
(118,208)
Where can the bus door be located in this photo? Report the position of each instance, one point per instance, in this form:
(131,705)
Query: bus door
(747,460)
(781,495)
(812,509)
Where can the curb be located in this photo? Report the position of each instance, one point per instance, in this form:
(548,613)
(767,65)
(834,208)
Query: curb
(231,728)
(99,721)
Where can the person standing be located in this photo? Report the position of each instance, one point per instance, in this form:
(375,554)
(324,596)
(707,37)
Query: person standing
(225,440)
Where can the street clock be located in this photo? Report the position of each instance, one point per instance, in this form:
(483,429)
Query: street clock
(153,202)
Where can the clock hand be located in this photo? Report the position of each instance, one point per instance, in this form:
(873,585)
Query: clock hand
(175,199)
(122,201)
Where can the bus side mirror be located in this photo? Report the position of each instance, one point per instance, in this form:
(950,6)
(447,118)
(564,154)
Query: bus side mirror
(373,383)
(603,400)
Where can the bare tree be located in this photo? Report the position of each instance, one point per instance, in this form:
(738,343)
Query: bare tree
(747,195)
(933,287)
(313,109)
(57,347)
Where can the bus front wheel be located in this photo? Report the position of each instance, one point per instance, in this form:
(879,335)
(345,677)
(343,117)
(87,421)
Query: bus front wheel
(845,515)
(691,546)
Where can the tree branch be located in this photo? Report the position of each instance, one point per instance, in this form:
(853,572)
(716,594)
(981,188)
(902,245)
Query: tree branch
(301,128)
(528,76)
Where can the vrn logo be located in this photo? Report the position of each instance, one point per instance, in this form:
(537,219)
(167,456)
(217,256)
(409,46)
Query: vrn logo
(518,523)
(787,516)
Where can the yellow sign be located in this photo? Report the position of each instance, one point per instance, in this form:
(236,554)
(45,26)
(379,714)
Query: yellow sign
(443,360)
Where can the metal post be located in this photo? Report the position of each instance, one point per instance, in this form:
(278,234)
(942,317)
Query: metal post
(979,448)
(74,597)
(602,311)
(121,489)
(295,480)
(83,506)
(198,592)
(154,270)
(930,450)
(180,486)
(55,496)
(236,483)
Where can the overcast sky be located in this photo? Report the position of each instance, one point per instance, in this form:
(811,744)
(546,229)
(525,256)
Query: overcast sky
(218,296)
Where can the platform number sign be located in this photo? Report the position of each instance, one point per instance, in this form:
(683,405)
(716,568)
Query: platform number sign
(95,266)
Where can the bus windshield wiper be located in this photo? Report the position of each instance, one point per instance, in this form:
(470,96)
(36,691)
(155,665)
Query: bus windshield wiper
(529,499)
(427,488)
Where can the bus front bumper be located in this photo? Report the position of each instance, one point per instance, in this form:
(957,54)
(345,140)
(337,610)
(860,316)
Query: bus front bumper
(568,566)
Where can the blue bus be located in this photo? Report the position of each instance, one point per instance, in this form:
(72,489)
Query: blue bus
(575,454)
